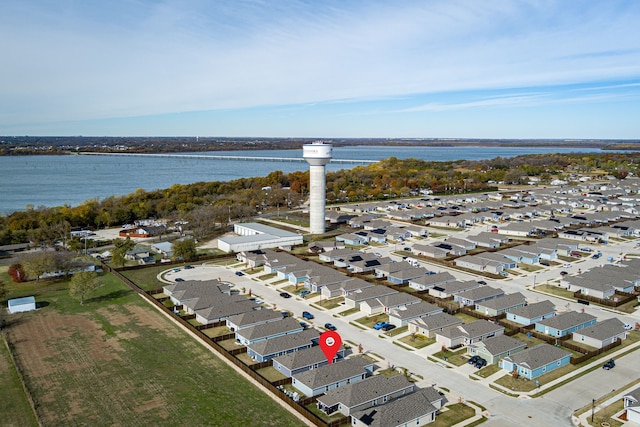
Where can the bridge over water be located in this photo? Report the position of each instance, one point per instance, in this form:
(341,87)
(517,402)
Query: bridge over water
(215,157)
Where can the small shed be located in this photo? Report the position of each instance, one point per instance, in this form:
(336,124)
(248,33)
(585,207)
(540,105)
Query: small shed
(18,305)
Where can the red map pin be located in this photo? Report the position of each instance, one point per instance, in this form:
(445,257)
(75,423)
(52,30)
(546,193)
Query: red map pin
(330,343)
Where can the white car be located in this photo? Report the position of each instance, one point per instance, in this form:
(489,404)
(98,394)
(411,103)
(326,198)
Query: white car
(566,265)
(628,327)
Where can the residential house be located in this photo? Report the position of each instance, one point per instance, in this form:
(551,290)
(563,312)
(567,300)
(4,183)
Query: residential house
(536,361)
(273,347)
(565,323)
(254,334)
(448,289)
(372,391)
(423,283)
(356,298)
(416,409)
(401,316)
(469,333)
(632,405)
(222,310)
(252,318)
(387,303)
(318,381)
(302,360)
(496,348)
(402,277)
(502,304)
(532,313)
(602,333)
(429,251)
(348,286)
(477,295)
(429,326)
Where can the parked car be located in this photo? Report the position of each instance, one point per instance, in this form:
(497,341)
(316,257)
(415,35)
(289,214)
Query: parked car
(285,294)
(610,364)
(330,327)
(380,325)
(179,279)
(408,249)
(628,327)
(482,282)
(596,255)
(239,273)
(307,315)
(480,363)
(303,293)
(188,267)
(388,327)
(545,263)
(563,273)
(473,359)
(304,325)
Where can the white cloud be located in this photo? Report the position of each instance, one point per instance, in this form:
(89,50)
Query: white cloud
(61,62)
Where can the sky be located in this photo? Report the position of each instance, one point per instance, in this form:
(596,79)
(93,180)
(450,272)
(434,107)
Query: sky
(326,69)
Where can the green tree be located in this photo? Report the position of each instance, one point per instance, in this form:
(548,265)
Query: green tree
(122,246)
(35,264)
(82,284)
(184,249)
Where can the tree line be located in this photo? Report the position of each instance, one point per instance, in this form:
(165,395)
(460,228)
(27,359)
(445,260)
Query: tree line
(208,206)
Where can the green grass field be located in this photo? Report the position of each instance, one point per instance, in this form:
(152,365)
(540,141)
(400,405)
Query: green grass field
(117,361)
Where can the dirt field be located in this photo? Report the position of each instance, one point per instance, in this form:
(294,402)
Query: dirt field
(126,365)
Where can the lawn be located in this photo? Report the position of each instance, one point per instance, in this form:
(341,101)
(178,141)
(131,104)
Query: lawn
(117,361)
(146,278)
(454,357)
(349,311)
(417,341)
(14,406)
(455,413)
(369,321)
(328,304)
(554,290)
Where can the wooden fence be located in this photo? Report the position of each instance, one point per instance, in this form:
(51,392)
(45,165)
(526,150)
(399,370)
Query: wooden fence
(297,407)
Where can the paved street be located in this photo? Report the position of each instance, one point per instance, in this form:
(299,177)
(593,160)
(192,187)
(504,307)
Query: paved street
(554,408)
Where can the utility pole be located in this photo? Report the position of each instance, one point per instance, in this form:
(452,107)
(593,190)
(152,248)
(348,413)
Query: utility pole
(593,405)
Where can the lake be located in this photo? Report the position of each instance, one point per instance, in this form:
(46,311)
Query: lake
(70,180)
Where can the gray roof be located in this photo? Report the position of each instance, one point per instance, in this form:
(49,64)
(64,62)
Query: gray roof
(603,330)
(420,309)
(537,356)
(453,287)
(369,293)
(504,302)
(399,411)
(364,391)
(254,316)
(532,311)
(437,321)
(301,358)
(333,373)
(434,279)
(288,325)
(226,310)
(499,344)
(567,320)
(473,329)
(482,292)
(288,342)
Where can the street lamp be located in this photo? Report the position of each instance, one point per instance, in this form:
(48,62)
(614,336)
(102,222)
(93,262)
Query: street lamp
(593,405)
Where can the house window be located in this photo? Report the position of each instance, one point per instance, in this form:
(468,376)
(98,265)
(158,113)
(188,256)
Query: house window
(582,338)
(544,369)
(558,363)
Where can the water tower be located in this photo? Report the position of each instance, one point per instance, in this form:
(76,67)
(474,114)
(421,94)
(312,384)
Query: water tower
(317,154)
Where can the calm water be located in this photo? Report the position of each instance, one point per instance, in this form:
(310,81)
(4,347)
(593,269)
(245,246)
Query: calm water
(59,180)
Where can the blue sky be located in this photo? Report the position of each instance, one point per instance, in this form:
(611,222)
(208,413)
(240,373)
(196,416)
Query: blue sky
(369,68)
